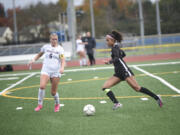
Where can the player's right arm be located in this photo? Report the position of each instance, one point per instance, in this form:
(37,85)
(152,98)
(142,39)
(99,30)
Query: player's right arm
(35,58)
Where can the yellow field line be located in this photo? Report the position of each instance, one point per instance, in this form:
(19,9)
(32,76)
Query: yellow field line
(85,98)
(78,81)
(61,83)
(141,47)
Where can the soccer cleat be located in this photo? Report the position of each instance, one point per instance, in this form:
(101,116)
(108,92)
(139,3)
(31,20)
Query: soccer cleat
(38,108)
(159,101)
(117,105)
(56,108)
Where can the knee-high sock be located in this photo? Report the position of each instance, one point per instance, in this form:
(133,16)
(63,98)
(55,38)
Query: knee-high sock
(56,98)
(84,61)
(41,95)
(111,95)
(80,62)
(148,92)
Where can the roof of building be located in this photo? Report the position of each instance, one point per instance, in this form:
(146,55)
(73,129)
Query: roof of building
(2,30)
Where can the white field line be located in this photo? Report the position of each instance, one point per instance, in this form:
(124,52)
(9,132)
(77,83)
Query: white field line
(9,78)
(17,83)
(93,69)
(18,74)
(158,78)
(157,64)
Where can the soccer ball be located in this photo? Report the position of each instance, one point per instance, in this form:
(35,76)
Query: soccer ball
(89,110)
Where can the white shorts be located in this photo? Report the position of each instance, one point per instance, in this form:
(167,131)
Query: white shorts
(51,74)
(80,49)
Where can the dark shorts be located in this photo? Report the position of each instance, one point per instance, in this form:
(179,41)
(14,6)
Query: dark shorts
(123,74)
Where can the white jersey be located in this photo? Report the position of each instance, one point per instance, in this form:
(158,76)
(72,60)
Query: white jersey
(80,46)
(52,55)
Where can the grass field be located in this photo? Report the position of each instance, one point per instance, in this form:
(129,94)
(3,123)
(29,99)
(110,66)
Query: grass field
(80,87)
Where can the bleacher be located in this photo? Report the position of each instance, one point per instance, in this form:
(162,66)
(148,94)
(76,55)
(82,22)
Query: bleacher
(16,54)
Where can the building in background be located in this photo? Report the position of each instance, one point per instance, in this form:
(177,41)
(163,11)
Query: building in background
(6,35)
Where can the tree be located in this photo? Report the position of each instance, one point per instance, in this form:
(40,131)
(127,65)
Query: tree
(63,5)
(37,18)
(3,19)
(109,14)
(170,16)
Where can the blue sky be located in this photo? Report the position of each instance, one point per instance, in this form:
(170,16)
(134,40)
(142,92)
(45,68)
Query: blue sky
(23,3)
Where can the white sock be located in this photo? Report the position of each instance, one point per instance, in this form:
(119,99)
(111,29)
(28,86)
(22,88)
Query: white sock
(84,61)
(56,98)
(80,62)
(41,95)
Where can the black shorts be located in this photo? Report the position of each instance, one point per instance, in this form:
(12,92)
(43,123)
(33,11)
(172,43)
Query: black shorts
(123,74)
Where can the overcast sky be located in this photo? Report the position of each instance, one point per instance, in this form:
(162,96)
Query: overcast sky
(22,3)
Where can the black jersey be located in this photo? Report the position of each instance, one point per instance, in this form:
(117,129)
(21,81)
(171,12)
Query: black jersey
(91,44)
(121,69)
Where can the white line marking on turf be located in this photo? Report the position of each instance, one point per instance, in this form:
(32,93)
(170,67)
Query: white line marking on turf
(69,79)
(96,77)
(19,108)
(10,78)
(175,72)
(158,78)
(19,82)
(103,102)
(144,99)
(61,105)
(176,96)
(157,64)
(97,68)
(8,93)
(18,74)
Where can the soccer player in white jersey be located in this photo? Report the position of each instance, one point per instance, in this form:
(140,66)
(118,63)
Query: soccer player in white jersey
(53,67)
(81,51)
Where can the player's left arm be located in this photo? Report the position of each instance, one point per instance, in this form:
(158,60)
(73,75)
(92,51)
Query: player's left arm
(62,63)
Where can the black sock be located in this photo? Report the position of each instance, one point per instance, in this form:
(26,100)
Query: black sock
(148,92)
(111,95)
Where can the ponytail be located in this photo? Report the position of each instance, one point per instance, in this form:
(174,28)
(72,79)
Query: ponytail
(117,36)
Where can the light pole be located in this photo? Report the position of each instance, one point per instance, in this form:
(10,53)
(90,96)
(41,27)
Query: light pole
(141,21)
(15,23)
(92,19)
(72,24)
(62,20)
(158,22)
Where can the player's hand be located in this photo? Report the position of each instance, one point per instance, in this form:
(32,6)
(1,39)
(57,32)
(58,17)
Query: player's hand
(85,43)
(62,70)
(106,62)
(30,63)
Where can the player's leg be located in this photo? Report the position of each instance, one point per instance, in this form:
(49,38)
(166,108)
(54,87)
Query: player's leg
(54,93)
(80,58)
(90,58)
(106,87)
(133,83)
(44,78)
(84,58)
(93,59)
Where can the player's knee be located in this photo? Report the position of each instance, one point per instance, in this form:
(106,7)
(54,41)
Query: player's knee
(136,88)
(53,93)
(42,87)
(105,86)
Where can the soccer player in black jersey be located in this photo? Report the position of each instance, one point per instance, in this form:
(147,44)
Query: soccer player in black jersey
(122,71)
